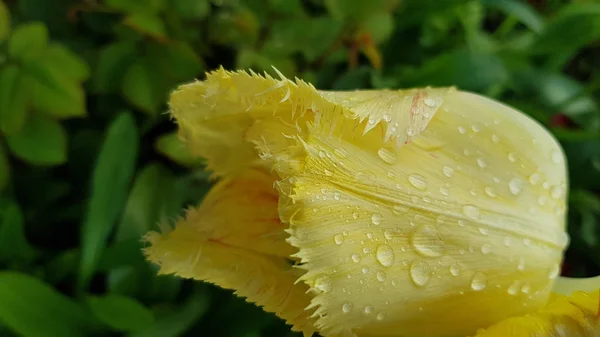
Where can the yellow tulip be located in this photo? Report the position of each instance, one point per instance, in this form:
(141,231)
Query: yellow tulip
(422,212)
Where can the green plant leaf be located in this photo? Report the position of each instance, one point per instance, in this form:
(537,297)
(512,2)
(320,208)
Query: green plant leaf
(4,22)
(142,87)
(4,168)
(28,40)
(32,308)
(178,320)
(120,312)
(572,28)
(113,62)
(380,26)
(521,10)
(72,66)
(147,23)
(358,10)
(55,89)
(151,6)
(13,99)
(110,185)
(170,146)
(13,243)
(197,9)
(42,141)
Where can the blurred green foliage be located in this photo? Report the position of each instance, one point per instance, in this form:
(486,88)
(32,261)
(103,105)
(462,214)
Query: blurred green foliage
(89,160)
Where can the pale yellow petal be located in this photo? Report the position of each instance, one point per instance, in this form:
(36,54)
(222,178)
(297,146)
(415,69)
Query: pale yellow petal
(235,240)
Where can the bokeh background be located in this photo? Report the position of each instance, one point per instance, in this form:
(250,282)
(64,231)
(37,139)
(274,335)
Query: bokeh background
(89,160)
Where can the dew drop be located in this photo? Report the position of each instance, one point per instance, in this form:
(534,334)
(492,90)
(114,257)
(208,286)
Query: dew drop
(444,191)
(347,307)
(366,250)
(369,235)
(355,215)
(526,288)
(399,209)
(427,241)
(418,181)
(339,239)
(486,248)
(490,192)
(515,186)
(381,276)
(475,128)
(526,242)
(513,289)
(521,264)
(556,156)
(495,138)
(356,257)
(364,269)
(462,130)
(429,102)
(376,218)
(471,211)
(369,309)
(420,273)
(481,162)
(542,200)
(506,241)
(455,269)
(385,255)
(483,230)
(323,283)
(381,316)
(388,234)
(322,154)
(387,155)
(337,196)
(340,152)
(556,192)
(479,281)
(448,171)
(387,117)
(535,179)
(512,157)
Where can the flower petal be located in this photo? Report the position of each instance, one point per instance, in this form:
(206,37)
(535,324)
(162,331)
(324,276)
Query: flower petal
(563,316)
(235,240)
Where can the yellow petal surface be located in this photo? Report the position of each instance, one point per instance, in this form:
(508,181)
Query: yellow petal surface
(420,212)
(235,240)
(575,316)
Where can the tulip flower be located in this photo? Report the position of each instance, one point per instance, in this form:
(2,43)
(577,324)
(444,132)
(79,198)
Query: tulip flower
(421,212)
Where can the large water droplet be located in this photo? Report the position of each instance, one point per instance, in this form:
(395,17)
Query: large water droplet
(471,211)
(513,289)
(455,269)
(427,241)
(347,307)
(387,155)
(339,239)
(418,181)
(462,130)
(385,255)
(479,281)
(376,218)
(355,257)
(381,276)
(420,273)
(448,171)
(323,283)
(515,186)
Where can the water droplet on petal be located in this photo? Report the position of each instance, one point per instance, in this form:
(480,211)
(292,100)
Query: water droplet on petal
(337,196)
(527,242)
(347,307)
(340,152)
(355,215)
(512,157)
(526,288)
(542,200)
(387,155)
(556,192)
(486,248)
(554,271)
(429,102)
(535,179)
(427,241)
(507,241)
(355,257)
(513,289)
(369,309)
(479,281)
(475,128)
(483,230)
(381,316)
(455,269)
(381,276)
(515,186)
(462,130)
(490,192)
(400,209)
(420,273)
(448,171)
(387,117)
(521,264)
(444,191)
(385,255)
(471,211)
(323,283)
(481,162)
(364,269)
(495,138)
(376,218)
(556,156)
(418,181)
(339,239)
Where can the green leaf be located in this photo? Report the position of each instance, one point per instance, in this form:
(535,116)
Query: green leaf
(521,10)
(13,99)
(4,22)
(13,243)
(178,321)
(113,62)
(141,87)
(4,168)
(147,23)
(28,40)
(173,148)
(120,312)
(42,141)
(151,6)
(72,66)
(380,26)
(574,27)
(34,309)
(186,9)
(358,10)
(176,62)
(54,89)
(110,184)
(150,201)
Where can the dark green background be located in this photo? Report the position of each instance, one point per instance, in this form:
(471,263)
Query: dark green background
(89,161)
